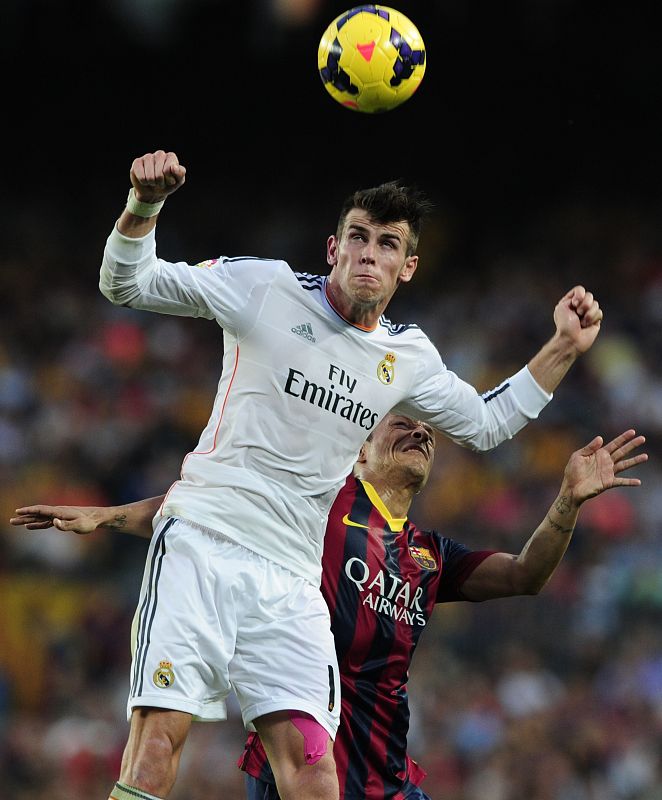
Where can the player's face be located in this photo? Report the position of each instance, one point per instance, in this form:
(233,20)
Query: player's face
(370,260)
(402,447)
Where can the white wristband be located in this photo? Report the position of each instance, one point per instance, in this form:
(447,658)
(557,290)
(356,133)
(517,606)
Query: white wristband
(140,209)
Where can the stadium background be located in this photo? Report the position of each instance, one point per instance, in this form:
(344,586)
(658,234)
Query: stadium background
(536,132)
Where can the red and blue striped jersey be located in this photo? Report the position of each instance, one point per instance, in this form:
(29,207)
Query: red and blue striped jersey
(381,579)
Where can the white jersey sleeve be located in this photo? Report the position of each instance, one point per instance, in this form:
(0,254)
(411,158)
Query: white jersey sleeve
(223,289)
(455,407)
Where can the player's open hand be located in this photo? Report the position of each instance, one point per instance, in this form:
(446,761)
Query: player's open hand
(598,467)
(578,316)
(156,175)
(64,518)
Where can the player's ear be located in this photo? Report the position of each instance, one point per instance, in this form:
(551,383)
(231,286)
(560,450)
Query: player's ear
(332,251)
(407,272)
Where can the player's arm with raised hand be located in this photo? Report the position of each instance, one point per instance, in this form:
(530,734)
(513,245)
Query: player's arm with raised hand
(134,518)
(577,317)
(510,406)
(589,472)
(131,274)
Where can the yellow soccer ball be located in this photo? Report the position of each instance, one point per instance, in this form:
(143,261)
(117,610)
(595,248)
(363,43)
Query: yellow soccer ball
(371,59)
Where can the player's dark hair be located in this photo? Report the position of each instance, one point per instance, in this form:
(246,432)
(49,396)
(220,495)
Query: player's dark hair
(390,202)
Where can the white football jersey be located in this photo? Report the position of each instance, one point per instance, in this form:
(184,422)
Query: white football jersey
(300,390)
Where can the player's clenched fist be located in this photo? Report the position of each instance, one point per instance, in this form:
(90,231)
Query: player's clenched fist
(578,316)
(156,175)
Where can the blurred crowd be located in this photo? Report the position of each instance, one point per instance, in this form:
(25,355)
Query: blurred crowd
(556,697)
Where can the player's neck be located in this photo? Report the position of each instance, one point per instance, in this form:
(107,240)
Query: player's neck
(396,498)
(361,316)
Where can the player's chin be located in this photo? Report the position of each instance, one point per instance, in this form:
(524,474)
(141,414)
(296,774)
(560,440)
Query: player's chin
(417,462)
(367,294)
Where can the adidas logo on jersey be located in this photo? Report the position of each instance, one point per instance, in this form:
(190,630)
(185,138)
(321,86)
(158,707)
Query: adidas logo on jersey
(305,330)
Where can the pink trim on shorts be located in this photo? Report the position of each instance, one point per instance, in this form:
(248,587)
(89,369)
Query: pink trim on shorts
(315,737)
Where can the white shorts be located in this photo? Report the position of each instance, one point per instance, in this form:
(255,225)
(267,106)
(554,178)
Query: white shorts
(213,617)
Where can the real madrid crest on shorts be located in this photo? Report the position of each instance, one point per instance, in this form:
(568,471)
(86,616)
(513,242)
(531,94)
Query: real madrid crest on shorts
(423,557)
(386,370)
(164,676)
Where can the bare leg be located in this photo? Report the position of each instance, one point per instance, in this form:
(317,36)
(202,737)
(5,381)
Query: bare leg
(153,750)
(296,779)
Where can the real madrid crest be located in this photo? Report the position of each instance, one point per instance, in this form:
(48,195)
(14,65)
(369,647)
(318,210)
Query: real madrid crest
(386,370)
(164,676)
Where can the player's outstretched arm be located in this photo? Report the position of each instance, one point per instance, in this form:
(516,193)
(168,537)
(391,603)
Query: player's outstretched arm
(590,471)
(154,176)
(134,518)
(577,317)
